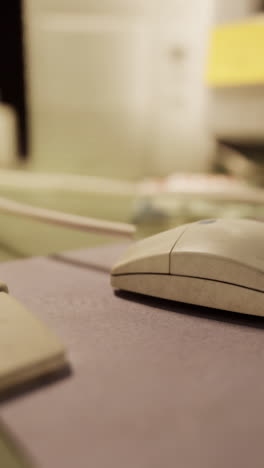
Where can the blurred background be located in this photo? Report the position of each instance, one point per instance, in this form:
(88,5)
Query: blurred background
(143,111)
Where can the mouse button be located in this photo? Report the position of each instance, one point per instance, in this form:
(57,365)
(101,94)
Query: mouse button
(203,238)
(150,255)
(216,268)
(240,240)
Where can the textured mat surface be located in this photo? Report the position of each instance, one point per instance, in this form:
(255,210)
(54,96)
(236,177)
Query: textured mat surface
(153,384)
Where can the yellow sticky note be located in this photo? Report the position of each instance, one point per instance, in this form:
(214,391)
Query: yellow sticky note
(236,55)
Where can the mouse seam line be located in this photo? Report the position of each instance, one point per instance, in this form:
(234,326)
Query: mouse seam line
(193,277)
(175,243)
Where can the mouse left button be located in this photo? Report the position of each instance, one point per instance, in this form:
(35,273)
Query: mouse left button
(150,255)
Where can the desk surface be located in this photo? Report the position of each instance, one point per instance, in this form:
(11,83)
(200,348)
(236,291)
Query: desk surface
(153,384)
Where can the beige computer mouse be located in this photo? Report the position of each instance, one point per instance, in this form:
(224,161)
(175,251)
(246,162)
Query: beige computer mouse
(216,263)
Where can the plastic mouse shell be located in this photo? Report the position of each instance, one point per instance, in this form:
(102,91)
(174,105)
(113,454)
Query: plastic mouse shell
(200,263)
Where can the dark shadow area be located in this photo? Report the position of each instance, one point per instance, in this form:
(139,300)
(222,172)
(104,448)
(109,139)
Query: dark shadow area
(233,318)
(35,384)
(12,66)
(80,263)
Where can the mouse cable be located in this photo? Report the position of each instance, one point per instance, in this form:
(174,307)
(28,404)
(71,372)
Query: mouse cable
(80,223)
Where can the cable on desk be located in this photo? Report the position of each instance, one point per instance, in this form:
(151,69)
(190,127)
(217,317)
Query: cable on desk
(58,218)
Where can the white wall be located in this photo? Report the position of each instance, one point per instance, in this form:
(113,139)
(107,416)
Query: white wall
(116,86)
(180,138)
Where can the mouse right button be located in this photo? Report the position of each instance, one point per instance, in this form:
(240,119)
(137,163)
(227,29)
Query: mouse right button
(229,251)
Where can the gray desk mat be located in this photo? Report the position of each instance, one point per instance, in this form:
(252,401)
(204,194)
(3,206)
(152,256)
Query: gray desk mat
(154,384)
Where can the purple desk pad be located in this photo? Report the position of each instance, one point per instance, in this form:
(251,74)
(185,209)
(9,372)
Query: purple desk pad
(154,384)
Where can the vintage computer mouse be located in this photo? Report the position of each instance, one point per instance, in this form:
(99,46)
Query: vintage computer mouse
(216,263)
